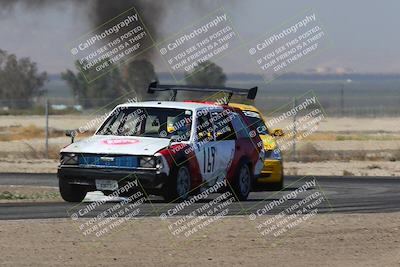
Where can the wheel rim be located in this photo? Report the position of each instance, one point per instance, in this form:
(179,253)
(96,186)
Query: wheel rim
(244,180)
(183,182)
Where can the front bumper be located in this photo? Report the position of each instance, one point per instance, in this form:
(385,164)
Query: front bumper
(148,179)
(271,172)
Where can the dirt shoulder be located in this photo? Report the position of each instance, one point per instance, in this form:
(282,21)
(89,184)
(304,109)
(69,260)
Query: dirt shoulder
(17,193)
(339,168)
(334,168)
(331,124)
(334,240)
(21,165)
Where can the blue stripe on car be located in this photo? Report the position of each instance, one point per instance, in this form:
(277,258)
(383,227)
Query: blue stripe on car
(118,162)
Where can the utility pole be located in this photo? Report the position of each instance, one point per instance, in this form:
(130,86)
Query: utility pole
(46,110)
(348,81)
(342,100)
(294,129)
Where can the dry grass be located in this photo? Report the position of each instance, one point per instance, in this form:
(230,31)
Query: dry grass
(347,173)
(32,152)
(26,133)
(309,152)
(16,133)
(28,193)
(321,137)
(328,136)
(374,166)
(53,153)
(367,137)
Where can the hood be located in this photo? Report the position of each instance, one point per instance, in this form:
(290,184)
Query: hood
(268,141)
(109,144)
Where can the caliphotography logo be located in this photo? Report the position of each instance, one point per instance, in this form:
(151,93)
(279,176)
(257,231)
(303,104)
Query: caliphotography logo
(278,218)
(277,51)
(199,132)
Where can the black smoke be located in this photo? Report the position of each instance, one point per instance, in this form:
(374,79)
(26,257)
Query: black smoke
(99,11)
(152,13)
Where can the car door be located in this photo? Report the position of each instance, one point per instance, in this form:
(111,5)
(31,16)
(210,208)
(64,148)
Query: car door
(204,147)
(251,148)
(225,141)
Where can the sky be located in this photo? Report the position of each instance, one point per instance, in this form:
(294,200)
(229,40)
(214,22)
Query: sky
(364,34)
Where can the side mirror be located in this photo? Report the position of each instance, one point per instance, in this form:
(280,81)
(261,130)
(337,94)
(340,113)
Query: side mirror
(71,133)
(277,132)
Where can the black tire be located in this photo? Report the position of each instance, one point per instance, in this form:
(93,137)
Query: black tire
(71,193)
(243,182)
(178,185)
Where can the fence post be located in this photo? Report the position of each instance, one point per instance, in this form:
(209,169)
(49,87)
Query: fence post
(294,130)
(46,110)
(342,100)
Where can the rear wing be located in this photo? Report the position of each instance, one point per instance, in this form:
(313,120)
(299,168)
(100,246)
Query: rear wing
(155,87)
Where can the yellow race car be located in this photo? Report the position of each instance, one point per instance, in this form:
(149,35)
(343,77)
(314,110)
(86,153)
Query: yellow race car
(271,177)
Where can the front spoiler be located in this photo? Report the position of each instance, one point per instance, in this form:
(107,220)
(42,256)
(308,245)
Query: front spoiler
(149,179)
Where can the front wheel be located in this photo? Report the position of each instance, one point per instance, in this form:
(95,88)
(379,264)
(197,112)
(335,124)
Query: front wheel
(178,186)
(71,193)
(242,185)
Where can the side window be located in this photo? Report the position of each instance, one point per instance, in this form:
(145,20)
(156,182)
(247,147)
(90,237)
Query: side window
(240,127)
(223,125)
(204,129)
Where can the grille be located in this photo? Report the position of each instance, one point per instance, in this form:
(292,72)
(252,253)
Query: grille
(108,161)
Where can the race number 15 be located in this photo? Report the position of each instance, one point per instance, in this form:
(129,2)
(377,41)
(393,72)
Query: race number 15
(209,159)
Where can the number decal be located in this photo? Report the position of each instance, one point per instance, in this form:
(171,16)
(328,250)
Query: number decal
(209,159)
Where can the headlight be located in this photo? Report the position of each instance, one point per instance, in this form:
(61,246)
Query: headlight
(69,159)
(159,163)
(147,162)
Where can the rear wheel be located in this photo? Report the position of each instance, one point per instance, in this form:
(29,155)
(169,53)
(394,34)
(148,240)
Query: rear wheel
(243,181)
(71,193)
(178,186)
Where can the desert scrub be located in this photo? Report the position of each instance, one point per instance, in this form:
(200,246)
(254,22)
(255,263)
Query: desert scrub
(7,195)
(11,196)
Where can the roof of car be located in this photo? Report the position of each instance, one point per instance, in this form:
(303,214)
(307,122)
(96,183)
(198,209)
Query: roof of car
(244,107)
(168,104)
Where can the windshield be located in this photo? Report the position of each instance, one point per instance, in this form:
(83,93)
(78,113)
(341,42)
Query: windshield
(148,122)
(256,122)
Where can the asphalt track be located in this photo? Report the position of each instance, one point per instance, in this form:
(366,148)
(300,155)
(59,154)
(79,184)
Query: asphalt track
(339,195)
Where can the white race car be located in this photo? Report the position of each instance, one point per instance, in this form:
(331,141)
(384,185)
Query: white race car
(170,147)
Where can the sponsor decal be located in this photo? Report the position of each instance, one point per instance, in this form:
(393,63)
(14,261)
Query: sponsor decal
(119,141)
